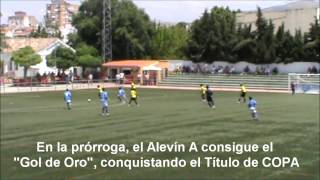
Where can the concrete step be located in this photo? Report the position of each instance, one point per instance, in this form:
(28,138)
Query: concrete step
(226,86)
(223,84)
(226,81)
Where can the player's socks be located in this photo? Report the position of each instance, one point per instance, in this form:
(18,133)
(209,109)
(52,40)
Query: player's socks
(103,111)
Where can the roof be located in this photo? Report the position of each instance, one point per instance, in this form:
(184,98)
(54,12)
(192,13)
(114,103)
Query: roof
(163,64)
(136,63)
(37,44)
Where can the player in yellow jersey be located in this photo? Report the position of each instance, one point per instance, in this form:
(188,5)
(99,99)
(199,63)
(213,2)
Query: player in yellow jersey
(134,96)
(203,92)
(99,90)
(243,93)
(133,86)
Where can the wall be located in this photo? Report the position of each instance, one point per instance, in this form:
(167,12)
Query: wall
(293,19)
(296,67)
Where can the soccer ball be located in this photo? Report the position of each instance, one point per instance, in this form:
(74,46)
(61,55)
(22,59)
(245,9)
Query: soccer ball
(89,100)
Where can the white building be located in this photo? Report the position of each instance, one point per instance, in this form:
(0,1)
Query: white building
(297,15)
(59,15)
(19,25)
(42,46)
(20,19)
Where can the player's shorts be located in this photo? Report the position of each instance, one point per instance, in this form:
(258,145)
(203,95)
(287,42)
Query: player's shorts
(209,99)
(104,103)
(68,101)
(253,109)
(133,98)
(243,94)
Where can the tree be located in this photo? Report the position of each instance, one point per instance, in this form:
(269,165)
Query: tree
(43,32)
(169,42)
(280,38)
(245,48)
(62,58)
(264,39)
(73,39)
(87,56)
(131,28)
(312,42)
(25,57)
(213,36)
(298,51)
(40,32)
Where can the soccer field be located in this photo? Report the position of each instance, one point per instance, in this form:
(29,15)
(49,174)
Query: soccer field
(290,122)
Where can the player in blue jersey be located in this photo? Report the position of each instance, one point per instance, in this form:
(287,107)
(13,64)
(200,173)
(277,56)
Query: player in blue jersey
(68,98)
(104,98)
(122,95)
(252,105)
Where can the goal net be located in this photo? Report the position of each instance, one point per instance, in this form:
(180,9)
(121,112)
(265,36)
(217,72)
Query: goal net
(304,83)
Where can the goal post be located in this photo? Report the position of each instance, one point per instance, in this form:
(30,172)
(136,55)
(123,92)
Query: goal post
(304,83)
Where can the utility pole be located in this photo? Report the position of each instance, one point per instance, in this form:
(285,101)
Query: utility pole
(107,31)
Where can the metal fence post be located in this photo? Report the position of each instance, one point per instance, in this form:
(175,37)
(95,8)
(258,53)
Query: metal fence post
(31,84)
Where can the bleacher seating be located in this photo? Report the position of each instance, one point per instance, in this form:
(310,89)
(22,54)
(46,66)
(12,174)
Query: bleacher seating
(274,82)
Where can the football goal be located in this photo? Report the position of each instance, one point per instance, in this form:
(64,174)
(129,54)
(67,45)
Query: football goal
(304,83)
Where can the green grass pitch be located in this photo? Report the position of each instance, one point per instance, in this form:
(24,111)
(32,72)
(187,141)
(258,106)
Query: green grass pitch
(291,122)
